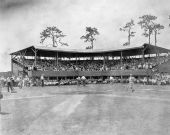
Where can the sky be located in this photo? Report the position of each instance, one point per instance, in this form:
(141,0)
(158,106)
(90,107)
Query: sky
(22,21)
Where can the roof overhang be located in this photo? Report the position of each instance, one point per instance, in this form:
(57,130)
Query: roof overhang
(53,51)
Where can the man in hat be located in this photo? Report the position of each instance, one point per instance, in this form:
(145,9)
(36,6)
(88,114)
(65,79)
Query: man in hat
(9,84)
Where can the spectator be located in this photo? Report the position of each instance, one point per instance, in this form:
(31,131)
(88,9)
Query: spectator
(10,84)
(1,95)
(42,80)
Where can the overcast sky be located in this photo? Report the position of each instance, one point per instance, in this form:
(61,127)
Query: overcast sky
(21,22)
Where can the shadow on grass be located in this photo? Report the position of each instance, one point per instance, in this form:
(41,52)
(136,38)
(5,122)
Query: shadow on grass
(4,113)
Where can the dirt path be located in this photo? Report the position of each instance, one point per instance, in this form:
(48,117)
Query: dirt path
(50,121)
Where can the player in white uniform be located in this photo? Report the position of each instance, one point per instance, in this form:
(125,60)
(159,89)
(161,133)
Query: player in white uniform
(42,80)
(111,80)
(131,83)
(78,80)
(83,78)
(145,80)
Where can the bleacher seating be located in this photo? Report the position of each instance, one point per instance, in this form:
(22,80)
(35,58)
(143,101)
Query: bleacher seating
(93,65)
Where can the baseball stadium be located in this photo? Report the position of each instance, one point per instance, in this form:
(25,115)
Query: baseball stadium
(48,98)
(57,64)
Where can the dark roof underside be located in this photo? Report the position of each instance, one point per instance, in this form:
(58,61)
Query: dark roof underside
(52,52)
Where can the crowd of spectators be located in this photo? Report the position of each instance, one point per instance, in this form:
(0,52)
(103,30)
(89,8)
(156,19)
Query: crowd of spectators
(16,81)
(88,65)
(94,65)
(19,81)
(162,78)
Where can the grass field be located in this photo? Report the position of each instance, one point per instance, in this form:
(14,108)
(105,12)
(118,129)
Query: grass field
(101,109)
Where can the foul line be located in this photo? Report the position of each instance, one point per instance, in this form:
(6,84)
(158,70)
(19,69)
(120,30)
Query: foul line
(137,97)
(153,90)
(31,97)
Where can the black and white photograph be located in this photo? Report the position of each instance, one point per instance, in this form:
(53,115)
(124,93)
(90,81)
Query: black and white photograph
(84,67)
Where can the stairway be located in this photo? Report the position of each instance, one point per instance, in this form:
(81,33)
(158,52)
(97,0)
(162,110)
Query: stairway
(18,63)
(21,65)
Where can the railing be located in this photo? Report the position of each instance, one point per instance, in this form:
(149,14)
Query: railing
(139,72)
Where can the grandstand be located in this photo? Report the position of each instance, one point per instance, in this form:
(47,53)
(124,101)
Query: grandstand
(165,67)
(55,63)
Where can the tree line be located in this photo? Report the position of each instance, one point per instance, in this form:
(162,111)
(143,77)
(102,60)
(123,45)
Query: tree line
(147,23)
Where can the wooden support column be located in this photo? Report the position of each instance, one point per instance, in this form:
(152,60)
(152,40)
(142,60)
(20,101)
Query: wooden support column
(35,58)
(121,55)
(143,56)
(57,59)
(23,55)
(158,55)
(22,59)
(76,60)
(104,62)
(12,64)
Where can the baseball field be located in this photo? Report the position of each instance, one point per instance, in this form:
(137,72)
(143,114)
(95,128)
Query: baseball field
(95,109)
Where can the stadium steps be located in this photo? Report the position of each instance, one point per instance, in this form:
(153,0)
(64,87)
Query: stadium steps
(18,63)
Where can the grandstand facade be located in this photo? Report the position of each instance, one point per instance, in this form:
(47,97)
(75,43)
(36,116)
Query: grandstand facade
(56,63)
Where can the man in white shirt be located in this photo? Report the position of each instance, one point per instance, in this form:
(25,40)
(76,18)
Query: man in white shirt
(83,78)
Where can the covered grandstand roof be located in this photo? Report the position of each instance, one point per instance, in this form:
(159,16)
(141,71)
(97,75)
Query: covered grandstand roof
(53,51)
